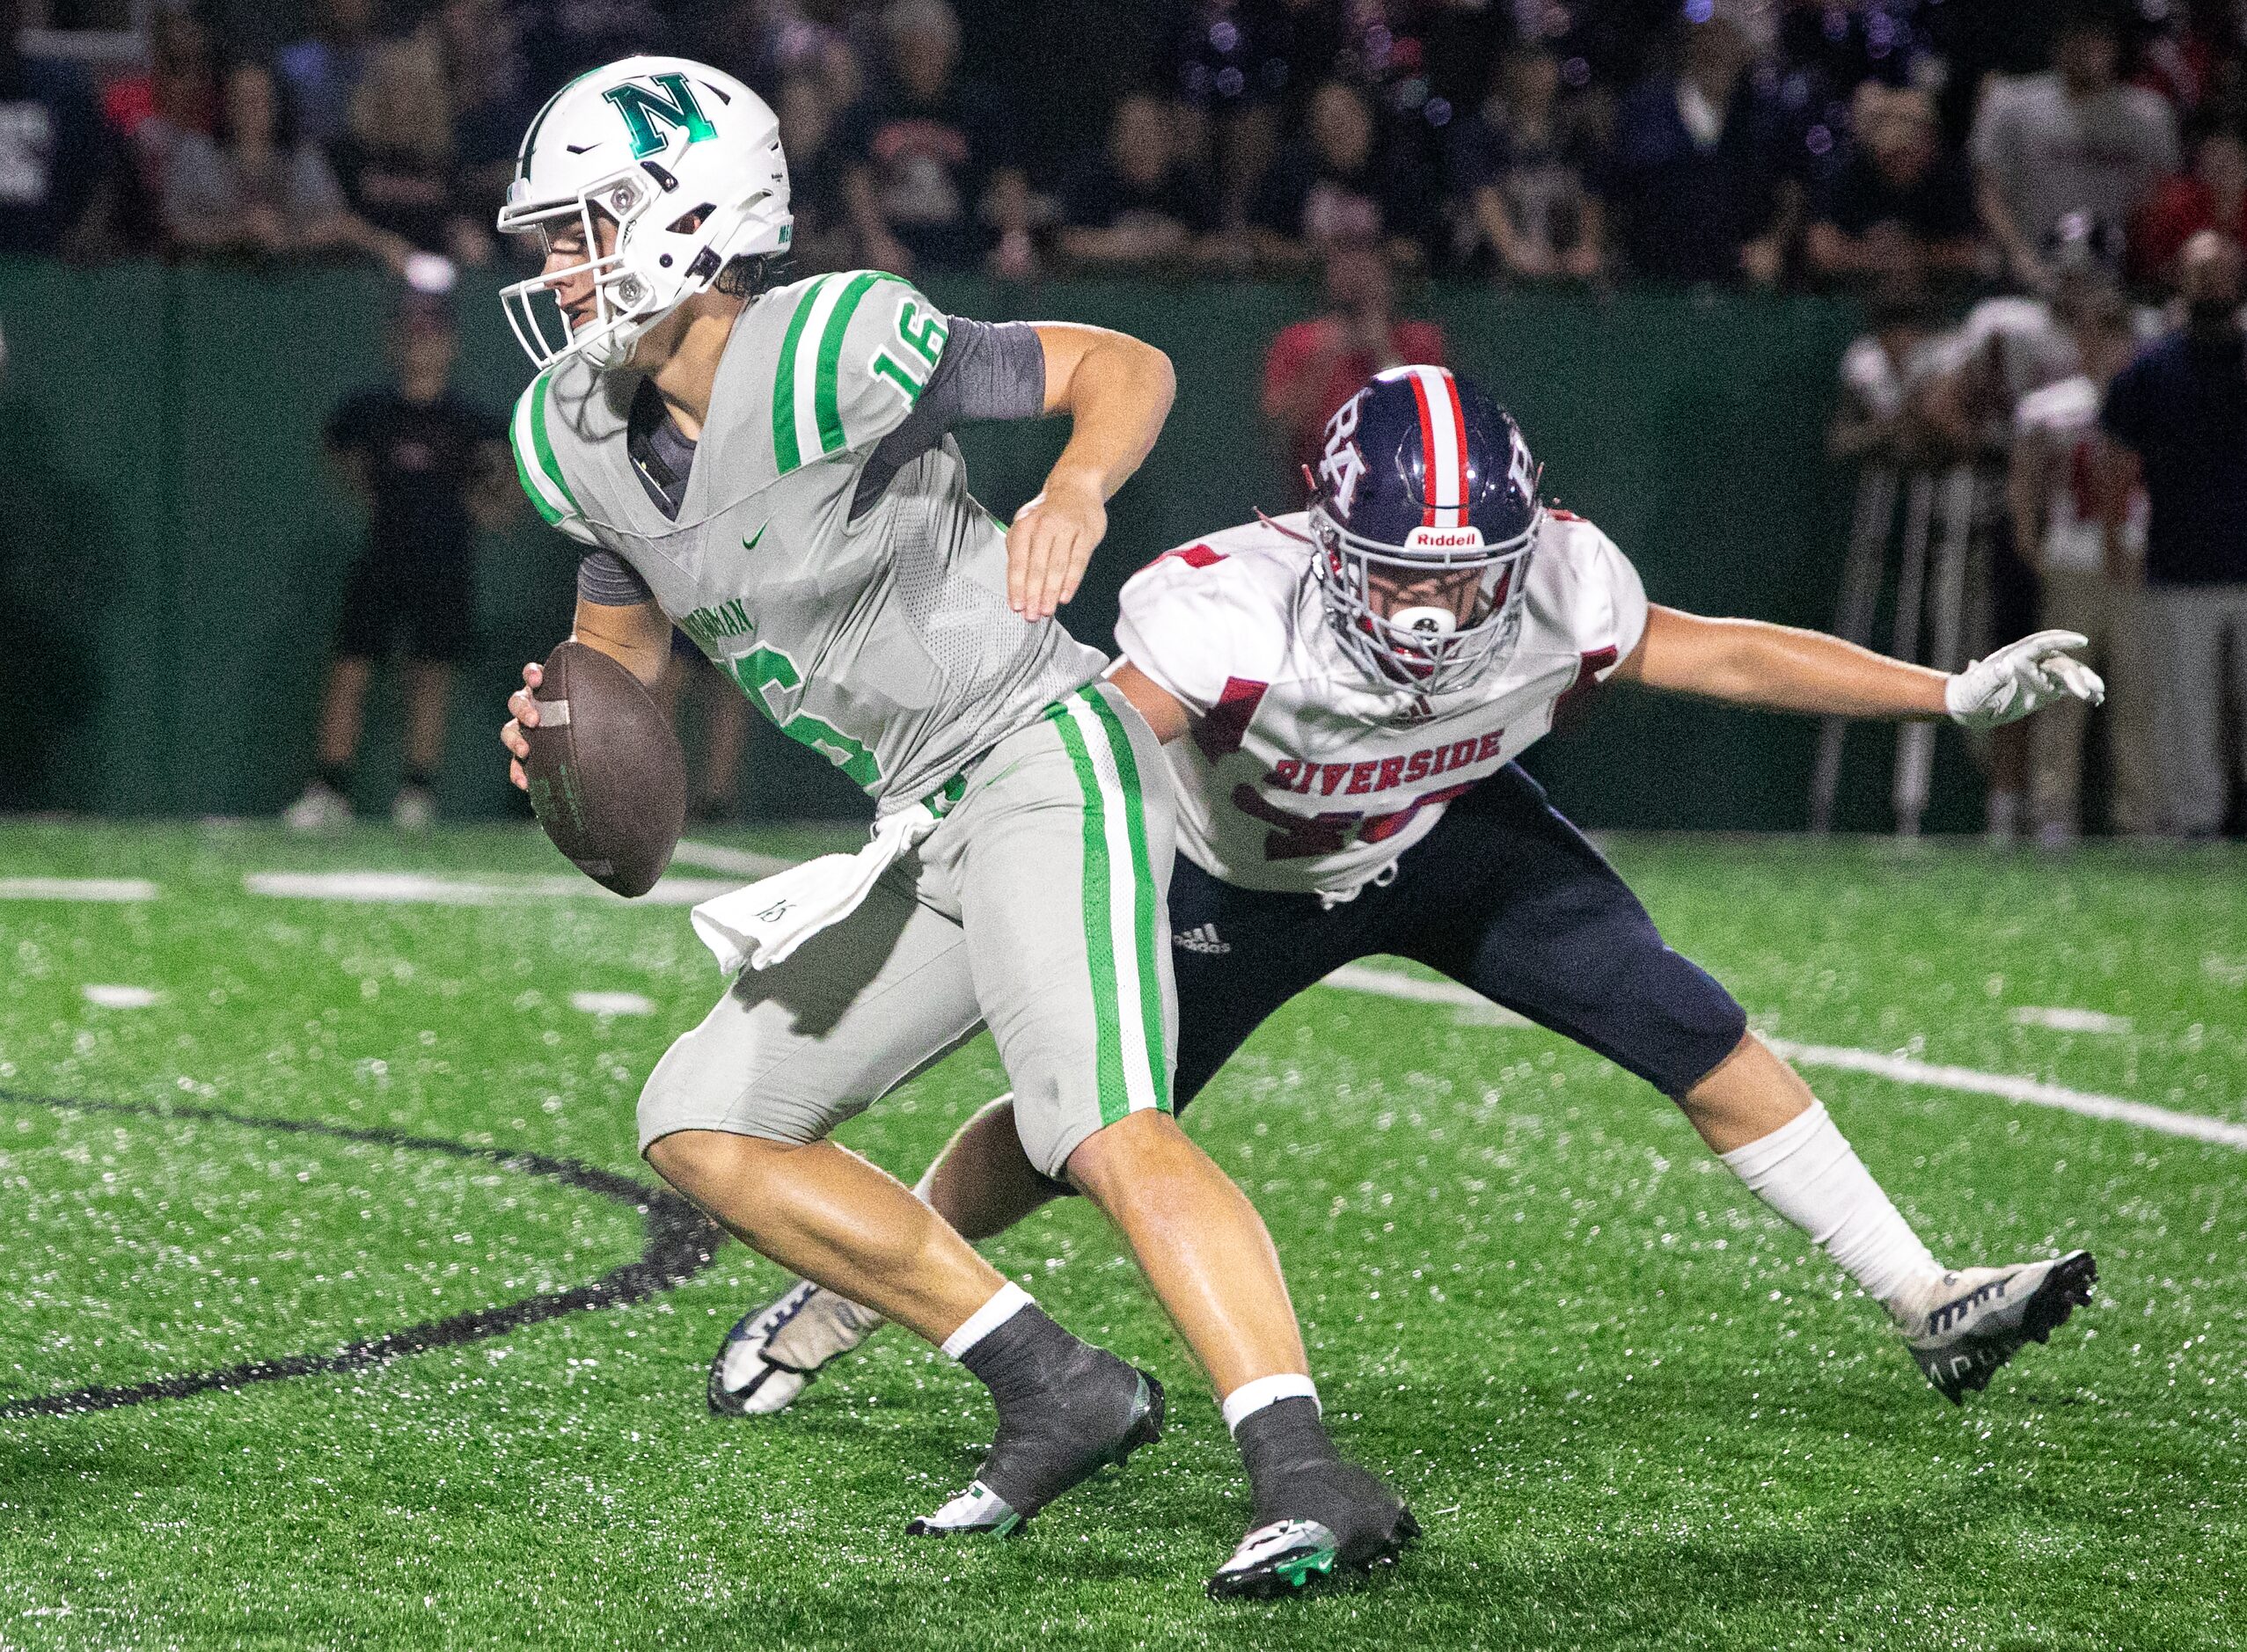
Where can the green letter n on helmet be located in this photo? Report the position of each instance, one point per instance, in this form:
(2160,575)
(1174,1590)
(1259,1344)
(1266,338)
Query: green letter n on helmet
(641,109)
(670,169)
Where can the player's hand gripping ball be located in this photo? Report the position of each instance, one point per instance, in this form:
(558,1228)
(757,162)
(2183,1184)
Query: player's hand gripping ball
(606,777)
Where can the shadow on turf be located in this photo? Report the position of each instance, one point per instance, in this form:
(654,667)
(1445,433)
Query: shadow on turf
(679,1244)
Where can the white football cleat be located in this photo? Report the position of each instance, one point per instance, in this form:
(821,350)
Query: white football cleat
(321,809)
(773,1351)
(1966,1324)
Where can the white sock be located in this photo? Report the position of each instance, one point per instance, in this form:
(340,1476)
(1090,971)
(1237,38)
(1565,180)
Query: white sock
(1808,1173)
(1252,1397)
(1007,1301)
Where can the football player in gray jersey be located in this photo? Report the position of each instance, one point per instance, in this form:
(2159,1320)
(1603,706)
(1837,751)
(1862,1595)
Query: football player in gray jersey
(769,466)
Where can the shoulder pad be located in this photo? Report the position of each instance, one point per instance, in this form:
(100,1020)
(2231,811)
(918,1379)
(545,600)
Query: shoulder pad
(858,349)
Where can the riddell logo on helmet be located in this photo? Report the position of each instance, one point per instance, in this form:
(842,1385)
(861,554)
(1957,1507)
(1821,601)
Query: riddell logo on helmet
(1444,539)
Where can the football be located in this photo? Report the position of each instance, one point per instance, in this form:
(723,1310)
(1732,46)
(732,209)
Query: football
(608,780)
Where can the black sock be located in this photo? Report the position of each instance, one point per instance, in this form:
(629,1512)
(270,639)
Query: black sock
(423,778)
(1019,1359)
(336,776)
(1280,1443)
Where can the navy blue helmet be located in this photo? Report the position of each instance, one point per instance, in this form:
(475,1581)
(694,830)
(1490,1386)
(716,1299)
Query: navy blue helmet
(1424,476)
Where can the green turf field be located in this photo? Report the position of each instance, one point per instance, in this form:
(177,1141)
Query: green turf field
(1630,1409)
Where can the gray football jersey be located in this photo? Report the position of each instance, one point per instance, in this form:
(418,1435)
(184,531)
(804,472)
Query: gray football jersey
(884,642)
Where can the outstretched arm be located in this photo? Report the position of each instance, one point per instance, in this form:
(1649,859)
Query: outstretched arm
(1777,667)
(1117,392)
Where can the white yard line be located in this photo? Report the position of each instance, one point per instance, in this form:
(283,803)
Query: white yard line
(425,889)
(612,1004)
(78,889)
(117,997)
(718,858)
(2067,1020)
(1389,985)
(1901,1068)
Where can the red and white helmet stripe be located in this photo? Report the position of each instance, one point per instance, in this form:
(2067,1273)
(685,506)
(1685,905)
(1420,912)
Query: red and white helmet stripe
(1443,439)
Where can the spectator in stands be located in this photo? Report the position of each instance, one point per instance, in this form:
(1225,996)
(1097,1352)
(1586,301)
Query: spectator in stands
(1696,176)
(2179,410)
(319,74)
(177,93)
(563,39)
(429,467)
(1520,176)
(1240,72)
(487,87)
(777,42)
(1900,206)
(1884,376)
(2194,62)
(933,179)
(2088,580)
(2071,141)
(822,238)
(1334,185)
(1314,366)
(52,152)
(2211,196)
(396,161)
(255,188)
(1139,202)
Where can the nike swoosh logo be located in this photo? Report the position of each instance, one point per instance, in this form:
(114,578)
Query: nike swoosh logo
(749,543)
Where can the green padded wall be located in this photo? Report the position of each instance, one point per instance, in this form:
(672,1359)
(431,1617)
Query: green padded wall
(173,545)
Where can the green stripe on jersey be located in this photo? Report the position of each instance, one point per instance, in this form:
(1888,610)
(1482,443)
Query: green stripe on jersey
(547,463)
(1115,1096)
(524,462)
(1134,826)
(787,455)
(826,400)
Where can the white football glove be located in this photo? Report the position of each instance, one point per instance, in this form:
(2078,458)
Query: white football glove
(2021,677)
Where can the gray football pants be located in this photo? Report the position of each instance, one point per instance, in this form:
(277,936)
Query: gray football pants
(2189,625)
(1037,907)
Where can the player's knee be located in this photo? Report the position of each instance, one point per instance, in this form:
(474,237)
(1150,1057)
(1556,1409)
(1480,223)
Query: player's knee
(700,1162)
(1123,1159)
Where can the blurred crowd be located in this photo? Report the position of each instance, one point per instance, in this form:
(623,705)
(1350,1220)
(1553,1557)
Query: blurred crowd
(2068,176)
(1796,143)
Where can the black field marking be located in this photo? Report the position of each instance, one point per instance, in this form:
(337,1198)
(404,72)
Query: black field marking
(679,1242)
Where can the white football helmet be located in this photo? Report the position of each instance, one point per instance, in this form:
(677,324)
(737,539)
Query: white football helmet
(684,159)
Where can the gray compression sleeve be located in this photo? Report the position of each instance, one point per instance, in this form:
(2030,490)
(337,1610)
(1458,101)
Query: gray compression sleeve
(988,370)
(605,577)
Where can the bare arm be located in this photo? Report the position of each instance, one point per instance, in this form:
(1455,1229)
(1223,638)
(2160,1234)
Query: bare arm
(638,638)
(1777,667)
(1117,392)
(1997,218)
(1165,713)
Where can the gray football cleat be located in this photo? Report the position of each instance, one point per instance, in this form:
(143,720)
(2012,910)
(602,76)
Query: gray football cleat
(1100,1414)
(1971,1322)
(773,1352)
(1365,1524)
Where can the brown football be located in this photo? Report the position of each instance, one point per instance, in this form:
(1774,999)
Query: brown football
(608,780)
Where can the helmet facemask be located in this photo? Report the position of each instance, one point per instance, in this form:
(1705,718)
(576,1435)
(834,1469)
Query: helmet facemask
(622,308)
(1426,648)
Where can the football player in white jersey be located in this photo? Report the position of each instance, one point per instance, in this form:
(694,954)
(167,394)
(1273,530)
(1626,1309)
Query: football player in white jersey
(1342,695)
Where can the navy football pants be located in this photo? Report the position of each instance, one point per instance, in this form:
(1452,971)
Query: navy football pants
(1504,895)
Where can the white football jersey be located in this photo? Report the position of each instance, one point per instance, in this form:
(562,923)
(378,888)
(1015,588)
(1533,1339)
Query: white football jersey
(1302,772)
(2067,415)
